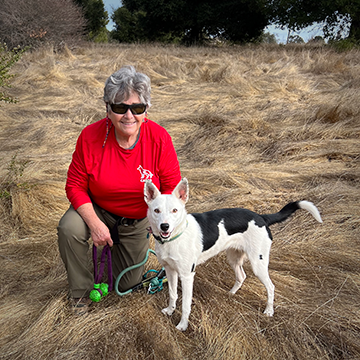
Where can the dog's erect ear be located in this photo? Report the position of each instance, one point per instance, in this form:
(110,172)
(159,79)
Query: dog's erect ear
(182,190)
(150,191)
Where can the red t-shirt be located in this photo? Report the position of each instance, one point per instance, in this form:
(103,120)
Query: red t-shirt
(113,177)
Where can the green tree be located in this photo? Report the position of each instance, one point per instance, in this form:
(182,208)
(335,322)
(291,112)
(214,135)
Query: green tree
(96,17)
(242,20)
(128,25)
(336,15)
(267,38)
(295,39)
(192,21)
(156,20)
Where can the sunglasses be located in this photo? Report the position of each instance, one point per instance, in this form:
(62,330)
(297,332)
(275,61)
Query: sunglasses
(136,109)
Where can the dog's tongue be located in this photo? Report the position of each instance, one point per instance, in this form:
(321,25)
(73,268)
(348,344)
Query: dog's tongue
(165,234)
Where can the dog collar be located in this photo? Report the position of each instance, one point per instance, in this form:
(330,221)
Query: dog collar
(160,240)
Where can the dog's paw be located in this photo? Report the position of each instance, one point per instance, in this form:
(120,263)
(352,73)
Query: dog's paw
(236,287)
(269,311)
(168,311)
(183,325)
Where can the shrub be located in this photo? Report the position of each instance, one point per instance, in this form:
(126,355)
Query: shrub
(344,44)
(35,22)
(7,60)
(11,181)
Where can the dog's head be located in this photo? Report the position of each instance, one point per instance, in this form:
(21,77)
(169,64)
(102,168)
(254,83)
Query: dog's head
(166,213)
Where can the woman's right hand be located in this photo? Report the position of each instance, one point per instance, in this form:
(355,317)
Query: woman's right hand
(100,233)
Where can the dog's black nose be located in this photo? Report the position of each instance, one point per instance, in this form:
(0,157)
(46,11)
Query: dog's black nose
(164,227)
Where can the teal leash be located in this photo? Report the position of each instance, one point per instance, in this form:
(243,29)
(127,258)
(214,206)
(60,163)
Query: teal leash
(155,283)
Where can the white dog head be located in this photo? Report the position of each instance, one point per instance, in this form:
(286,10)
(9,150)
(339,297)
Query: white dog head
(166,212)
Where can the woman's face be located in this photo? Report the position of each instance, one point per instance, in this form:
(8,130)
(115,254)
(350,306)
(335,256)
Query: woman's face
(127,126)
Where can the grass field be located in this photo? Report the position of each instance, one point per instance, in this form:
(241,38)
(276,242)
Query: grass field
(253,127)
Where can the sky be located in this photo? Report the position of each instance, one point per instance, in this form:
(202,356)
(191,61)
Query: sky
(110,6)
(281,35)
(306,34)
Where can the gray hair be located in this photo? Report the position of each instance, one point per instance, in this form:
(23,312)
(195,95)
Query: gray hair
(120,85)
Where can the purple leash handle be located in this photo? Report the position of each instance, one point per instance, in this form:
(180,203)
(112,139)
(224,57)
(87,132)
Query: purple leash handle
(110,276)
(98,275)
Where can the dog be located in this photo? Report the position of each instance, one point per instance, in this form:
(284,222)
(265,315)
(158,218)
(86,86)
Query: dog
(187,240)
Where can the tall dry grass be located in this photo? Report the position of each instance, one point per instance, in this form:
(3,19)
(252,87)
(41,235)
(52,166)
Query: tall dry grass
(254,127)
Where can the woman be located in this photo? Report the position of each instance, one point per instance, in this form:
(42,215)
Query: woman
(112,159)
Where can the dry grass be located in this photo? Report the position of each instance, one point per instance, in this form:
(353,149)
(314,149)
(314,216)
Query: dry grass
(254,127)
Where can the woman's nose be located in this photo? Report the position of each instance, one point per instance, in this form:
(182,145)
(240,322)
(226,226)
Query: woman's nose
(128,113)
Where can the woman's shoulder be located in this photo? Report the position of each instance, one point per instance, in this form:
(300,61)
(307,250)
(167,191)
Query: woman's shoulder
(95,130)
(97,125)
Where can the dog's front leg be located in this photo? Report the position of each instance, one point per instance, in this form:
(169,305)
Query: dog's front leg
(172,278)
(187,283)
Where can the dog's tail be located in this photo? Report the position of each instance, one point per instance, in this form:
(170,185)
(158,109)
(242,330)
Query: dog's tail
(289,209)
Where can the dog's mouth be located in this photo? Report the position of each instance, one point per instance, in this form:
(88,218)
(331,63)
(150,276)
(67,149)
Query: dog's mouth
(165,235)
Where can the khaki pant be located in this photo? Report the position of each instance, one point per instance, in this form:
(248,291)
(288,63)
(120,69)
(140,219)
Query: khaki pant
(73,236)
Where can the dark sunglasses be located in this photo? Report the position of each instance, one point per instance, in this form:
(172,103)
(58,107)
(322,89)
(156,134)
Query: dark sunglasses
(136,109)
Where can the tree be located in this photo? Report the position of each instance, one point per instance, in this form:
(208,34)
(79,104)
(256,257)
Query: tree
(96,17)
(193,21)
(317,40)
(157,20)
(35,22)
(295,39)
(128,25)
(242,20)
(335,14)
(267,38)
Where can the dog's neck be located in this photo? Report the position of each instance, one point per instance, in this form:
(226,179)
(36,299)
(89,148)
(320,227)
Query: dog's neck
(163,241)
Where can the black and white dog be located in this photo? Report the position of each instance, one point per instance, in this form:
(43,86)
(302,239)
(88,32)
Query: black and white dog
(187,240)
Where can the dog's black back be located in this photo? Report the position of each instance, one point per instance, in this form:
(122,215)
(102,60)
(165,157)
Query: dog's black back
(237,221)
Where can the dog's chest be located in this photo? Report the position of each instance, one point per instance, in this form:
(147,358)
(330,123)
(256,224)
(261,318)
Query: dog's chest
(167,255)
(177,257)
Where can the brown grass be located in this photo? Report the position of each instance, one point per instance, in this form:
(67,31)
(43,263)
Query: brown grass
(254,127)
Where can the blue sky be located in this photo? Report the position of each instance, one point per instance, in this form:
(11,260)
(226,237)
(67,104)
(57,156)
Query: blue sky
(307,33)
(111,5)
(281,35)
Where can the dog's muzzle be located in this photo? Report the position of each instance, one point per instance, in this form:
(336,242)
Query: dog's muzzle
(160,238)
(165,234)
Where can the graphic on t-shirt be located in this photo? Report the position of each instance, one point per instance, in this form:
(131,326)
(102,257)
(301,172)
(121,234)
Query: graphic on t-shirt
(145,174)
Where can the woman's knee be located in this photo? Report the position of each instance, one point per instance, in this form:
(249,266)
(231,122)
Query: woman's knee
(72,226)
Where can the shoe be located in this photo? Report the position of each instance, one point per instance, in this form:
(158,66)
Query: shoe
(80,306)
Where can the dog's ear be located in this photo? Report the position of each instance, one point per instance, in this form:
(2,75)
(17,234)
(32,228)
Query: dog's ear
(182,190)
(150,191)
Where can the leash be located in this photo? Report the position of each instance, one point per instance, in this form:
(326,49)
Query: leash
(155,283)
(101,289)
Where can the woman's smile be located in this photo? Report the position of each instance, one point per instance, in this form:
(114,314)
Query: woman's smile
(128,123)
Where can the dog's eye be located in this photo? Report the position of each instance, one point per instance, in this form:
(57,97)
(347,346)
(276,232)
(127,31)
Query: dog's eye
(175,211)
(157,211)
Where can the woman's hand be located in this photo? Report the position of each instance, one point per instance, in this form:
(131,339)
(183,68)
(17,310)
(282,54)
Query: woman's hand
(100,233)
